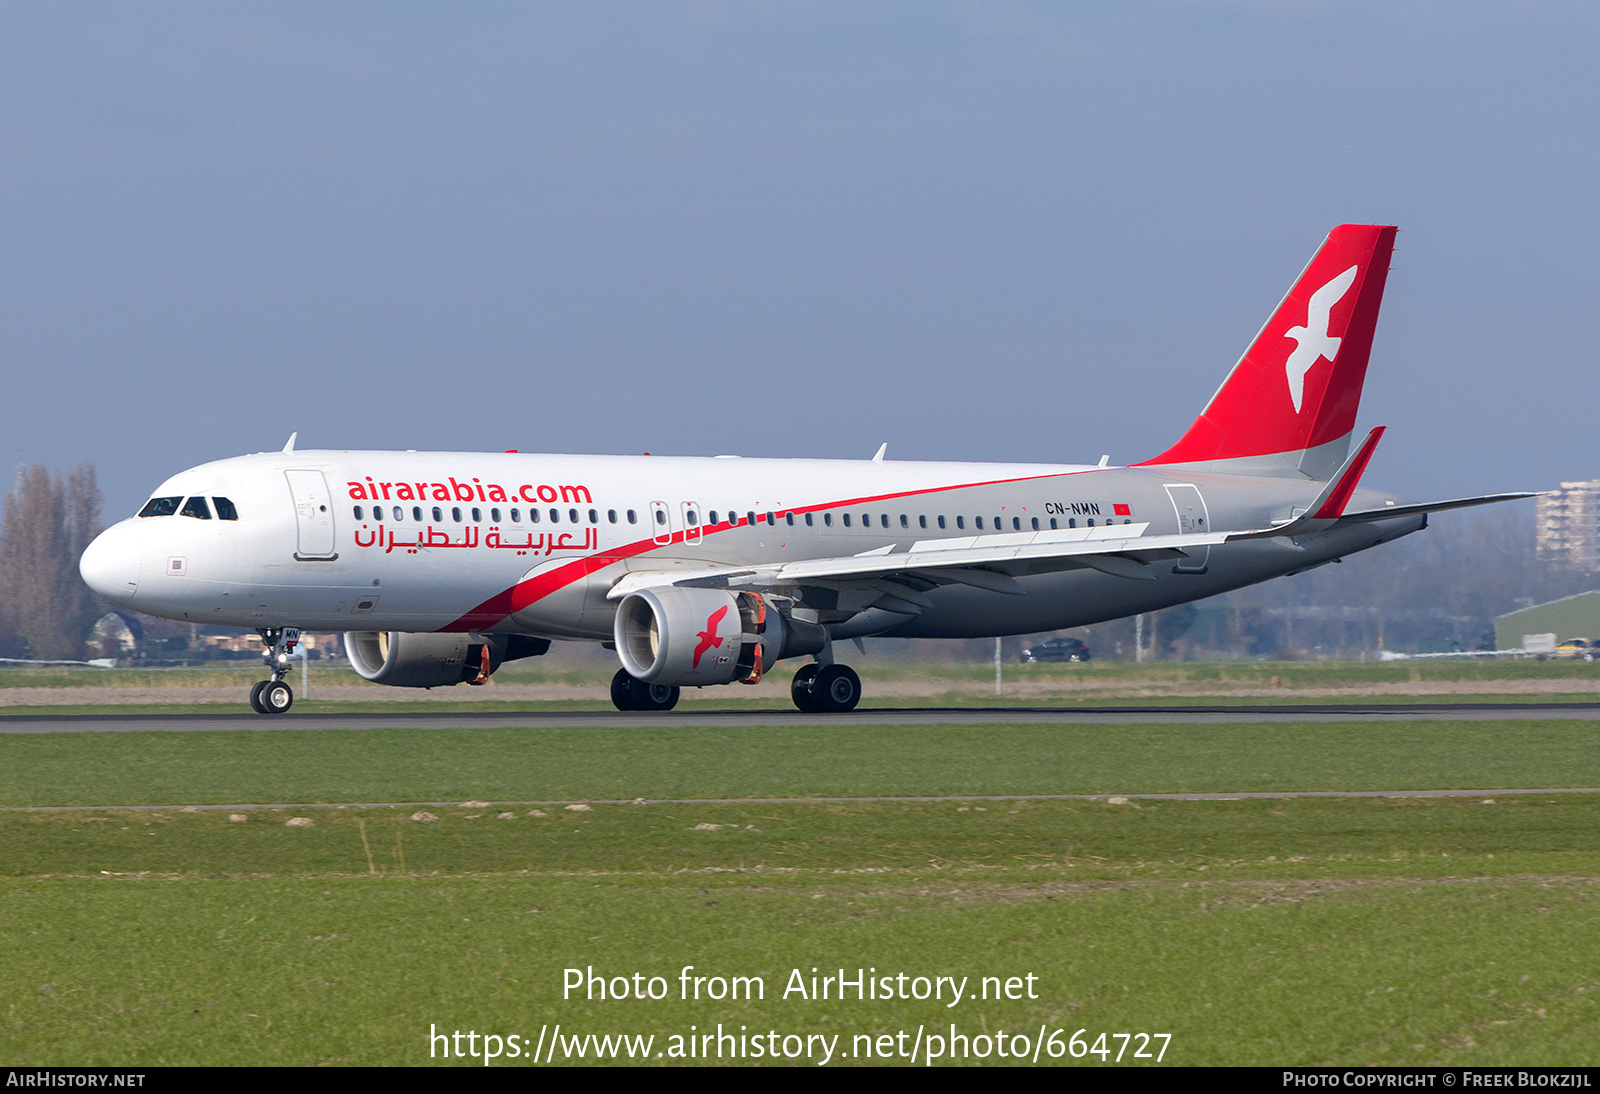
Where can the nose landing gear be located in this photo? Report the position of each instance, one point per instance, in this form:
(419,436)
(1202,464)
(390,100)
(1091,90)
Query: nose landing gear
(274,696)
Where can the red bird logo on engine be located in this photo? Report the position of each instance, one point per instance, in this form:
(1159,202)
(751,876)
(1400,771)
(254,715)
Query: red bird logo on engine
(709,636)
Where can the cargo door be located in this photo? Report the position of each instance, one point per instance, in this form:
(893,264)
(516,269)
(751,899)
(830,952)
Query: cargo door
(313,515)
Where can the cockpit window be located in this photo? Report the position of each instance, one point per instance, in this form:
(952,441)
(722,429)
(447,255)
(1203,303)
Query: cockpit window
(160,507)
(225,509)
(197,508)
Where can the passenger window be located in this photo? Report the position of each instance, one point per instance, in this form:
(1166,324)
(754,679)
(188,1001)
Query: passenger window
(594,517)
(572,515)
(977,521)
(904,522)
(691,517)
(771,520)
(455,513)
(1053,524)
(611,515)
(358,513)
(885,519)
(808,520)
(225,509)
(438,515)
(661,516)
(866,520)
(160,507)
(922,521)
(516,516)
(1016,524)
(789,517)
(377,513)
(1072,522)
(750,518)
(1091,522)
(827,520)
(494,515)
(847,520)
(533,516)
(477,515)
(998,524)
(961,522)
(633,518)
(1035,524)
(941,521)
(416,513)
(711,517)
(555,516)
(1127,520)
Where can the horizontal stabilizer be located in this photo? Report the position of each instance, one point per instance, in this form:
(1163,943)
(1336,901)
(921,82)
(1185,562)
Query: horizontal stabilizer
(1310,525)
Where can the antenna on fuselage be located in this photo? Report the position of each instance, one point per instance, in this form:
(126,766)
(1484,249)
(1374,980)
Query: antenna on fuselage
(289,446)
(882,448)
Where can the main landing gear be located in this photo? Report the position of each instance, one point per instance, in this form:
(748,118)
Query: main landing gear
(826,689)
(274,696)
(817,689)
(630,694)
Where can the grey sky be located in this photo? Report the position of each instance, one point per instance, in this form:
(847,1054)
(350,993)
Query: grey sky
(974,230)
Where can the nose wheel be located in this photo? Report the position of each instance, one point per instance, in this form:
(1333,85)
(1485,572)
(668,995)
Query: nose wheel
(275,696)
(826,689)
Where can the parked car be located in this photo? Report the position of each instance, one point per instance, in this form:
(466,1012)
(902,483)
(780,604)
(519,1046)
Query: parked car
(1055,649)
(1583,648)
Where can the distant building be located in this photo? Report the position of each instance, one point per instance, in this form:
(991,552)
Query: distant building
(250,642)
(1567,528)
(1565,619)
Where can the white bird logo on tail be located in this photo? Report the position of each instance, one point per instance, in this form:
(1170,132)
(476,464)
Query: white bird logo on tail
(1312,340)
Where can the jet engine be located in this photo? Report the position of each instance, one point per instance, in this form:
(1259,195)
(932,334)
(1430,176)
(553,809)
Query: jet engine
(408,660)
(694,637)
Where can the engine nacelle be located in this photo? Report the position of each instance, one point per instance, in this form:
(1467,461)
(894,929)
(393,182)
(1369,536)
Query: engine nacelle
(695,637)
(405,659)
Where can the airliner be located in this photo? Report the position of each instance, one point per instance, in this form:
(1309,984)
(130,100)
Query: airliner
(439,567)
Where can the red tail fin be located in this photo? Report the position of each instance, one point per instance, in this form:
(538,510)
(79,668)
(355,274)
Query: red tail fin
(1290,403)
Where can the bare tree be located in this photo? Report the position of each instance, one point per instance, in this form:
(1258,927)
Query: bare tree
(46,607)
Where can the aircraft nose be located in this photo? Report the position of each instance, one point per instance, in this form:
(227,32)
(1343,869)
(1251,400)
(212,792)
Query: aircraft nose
(110,566)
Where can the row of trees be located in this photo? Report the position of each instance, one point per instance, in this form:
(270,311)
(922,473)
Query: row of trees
(46,611)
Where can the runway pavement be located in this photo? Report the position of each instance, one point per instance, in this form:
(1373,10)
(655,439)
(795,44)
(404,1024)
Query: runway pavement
(788,717)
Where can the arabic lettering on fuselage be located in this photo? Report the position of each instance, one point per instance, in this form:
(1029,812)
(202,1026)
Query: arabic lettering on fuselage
(429,538)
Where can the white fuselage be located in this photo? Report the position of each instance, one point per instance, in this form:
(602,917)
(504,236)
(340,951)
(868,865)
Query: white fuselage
(531,544)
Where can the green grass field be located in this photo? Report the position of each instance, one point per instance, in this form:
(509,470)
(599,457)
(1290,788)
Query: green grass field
(654,761)
(1340,931)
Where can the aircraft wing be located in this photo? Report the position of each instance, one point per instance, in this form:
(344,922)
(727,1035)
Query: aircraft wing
(898,578)
(988,562)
